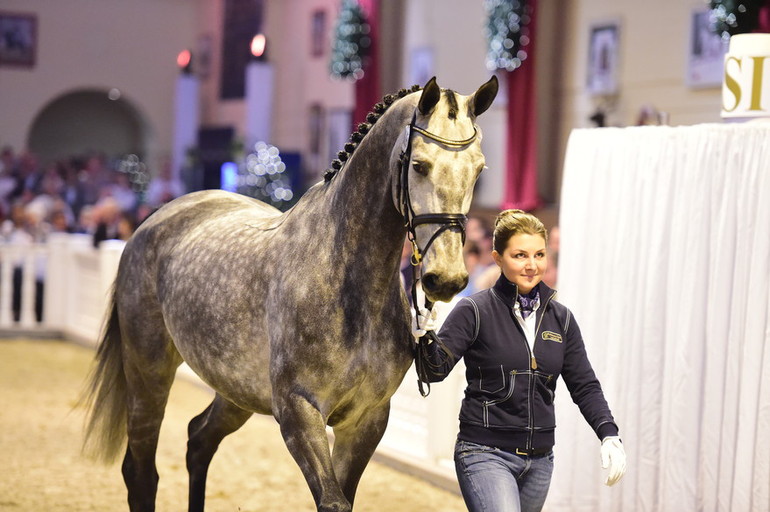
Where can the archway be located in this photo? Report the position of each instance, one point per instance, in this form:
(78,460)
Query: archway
(87,121)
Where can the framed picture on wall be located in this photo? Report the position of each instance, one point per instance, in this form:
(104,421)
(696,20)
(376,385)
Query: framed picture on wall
(603,55)
(318,33)
(706,52)
(18,39)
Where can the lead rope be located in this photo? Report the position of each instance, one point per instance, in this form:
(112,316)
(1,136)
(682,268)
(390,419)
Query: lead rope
(422,360)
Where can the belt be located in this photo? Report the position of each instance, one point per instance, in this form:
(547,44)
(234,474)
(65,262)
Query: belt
(532,452)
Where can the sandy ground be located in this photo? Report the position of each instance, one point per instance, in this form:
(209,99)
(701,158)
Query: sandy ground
(41,467)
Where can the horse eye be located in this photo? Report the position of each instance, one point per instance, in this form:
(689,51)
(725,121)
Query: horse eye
(421,167)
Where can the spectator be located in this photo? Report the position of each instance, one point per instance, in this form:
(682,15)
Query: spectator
(122,192)
(551,276)
(164,187)
(126,226)
(87,220)
(479,233)
(92,179)
(472,257)
(107,214)
(7,177)
(60,223)
(28,177)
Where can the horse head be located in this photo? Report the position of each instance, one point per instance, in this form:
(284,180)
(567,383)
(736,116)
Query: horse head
(437,160)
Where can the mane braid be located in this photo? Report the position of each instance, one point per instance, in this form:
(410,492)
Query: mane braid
(357,136)
(452,100)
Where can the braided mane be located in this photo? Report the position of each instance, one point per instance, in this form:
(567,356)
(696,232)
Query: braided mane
(363,128)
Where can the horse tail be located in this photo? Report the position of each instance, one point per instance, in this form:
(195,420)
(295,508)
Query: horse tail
(105,394)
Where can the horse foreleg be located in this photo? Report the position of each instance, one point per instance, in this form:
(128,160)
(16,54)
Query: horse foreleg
(205,432)
(354,445)
(304,431)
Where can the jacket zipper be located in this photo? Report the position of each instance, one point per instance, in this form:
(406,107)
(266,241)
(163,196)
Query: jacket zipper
(533,367)
(533,361)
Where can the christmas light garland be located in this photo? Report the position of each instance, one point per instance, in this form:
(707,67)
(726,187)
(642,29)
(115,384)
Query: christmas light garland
(730,17)
(351,42)
(507,33)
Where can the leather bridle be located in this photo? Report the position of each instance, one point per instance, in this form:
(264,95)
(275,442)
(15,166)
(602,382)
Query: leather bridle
(446,221)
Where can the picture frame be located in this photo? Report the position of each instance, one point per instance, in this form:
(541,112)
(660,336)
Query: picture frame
(18,39)
(603,59)
(706,52)
(318,33)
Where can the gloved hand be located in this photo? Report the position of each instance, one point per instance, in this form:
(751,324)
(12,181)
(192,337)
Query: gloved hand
(426,320)
(613,457)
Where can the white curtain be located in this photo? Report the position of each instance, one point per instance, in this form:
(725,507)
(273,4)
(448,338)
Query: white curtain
(665,262)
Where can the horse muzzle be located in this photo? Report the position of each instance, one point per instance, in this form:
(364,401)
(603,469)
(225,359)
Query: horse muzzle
(443,286)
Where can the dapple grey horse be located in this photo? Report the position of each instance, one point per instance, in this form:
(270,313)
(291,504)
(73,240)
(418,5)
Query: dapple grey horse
(298,314)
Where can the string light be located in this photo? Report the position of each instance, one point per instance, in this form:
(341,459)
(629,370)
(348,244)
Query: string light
(731,17)
(263,176)
(507,33)
(351,42)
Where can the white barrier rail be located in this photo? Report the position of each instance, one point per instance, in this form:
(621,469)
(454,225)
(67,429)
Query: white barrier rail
(73,278)
(76,285)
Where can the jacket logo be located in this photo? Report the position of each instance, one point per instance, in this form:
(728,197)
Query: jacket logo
(552,336)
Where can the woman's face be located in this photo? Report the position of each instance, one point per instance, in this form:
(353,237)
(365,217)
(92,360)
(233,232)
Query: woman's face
(523,262)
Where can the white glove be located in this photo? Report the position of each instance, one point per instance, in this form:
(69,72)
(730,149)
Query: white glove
(613,457)
(427,322)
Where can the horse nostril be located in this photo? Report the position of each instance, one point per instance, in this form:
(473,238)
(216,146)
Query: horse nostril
(430,281)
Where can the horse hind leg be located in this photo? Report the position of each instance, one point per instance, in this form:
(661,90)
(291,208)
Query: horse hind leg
(206,431)
(127,395)
(150,366)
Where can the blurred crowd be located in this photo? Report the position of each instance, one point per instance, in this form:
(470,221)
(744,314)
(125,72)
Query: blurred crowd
(88,194)
(77,194)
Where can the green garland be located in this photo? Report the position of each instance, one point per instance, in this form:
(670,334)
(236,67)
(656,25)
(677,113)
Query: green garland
(507,33)
(351,42)
(730,17)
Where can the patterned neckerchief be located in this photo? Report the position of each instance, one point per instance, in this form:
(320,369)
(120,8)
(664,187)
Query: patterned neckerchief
(528,301)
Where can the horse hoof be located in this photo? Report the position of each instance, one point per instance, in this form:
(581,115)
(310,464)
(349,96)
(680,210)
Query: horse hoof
(335,507)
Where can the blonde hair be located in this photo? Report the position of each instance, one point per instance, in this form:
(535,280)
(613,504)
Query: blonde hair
(510,223)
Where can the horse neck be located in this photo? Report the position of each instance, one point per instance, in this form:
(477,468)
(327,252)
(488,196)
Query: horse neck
(361,194)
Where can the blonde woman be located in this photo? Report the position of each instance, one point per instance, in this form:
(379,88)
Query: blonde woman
(516,340)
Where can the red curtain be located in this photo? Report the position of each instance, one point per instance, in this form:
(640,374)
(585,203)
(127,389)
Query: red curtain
(367,89)
(521,140)
(764,18)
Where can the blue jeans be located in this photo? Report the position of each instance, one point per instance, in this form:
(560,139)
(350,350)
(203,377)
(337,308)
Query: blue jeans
(494,480)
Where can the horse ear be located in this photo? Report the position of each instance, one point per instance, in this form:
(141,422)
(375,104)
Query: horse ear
(431,93)
(484,96)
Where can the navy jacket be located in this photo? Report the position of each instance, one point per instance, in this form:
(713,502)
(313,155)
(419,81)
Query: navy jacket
(509,399)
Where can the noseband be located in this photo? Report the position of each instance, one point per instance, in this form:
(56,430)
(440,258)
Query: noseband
(411,221)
